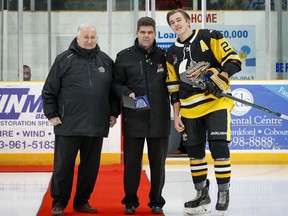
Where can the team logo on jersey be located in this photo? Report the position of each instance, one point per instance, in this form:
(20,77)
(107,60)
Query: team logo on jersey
(175,59)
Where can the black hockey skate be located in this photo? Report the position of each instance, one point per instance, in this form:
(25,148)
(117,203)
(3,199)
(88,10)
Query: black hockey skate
(222,202)
(200,205)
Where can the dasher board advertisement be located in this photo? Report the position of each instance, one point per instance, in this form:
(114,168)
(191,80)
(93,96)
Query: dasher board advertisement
(23,125)
(254,129)
(25,129)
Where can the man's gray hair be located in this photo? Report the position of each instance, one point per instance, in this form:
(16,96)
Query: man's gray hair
(85,25)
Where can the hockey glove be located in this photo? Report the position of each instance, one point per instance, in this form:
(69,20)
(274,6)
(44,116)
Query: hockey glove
(215,83)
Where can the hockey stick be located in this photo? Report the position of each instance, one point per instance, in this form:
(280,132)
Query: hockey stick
(244,102)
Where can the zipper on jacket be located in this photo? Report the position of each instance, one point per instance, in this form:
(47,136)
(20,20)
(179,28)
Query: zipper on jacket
(89,72)
(141,69)
(63,110)
(90,95)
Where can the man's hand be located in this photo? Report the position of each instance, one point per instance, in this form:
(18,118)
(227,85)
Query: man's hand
(113,121)
(55,121)
(216,83)
(132,95)
(178,124)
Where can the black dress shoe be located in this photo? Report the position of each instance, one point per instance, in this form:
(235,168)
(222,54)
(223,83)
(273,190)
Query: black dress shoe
(57,211)
(177,153)
(130,210)
(157,210)
(85,208)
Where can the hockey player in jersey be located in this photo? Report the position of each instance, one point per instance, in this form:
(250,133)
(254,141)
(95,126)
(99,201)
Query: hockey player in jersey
(202,115)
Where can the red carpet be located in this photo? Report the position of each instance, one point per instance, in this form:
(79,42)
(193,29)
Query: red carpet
(107,195)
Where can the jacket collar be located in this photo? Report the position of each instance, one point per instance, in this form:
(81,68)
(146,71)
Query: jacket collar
(142,49)
(85,53)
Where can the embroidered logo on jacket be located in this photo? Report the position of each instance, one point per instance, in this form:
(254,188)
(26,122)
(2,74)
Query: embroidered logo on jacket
(101,69)
(160,68)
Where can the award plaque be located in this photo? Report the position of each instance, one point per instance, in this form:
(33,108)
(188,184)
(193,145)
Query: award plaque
(139,103)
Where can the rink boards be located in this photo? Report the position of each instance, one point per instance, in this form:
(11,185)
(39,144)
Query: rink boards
(258,137)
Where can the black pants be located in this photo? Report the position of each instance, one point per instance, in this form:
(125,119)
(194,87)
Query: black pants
(65,152)
(133,152)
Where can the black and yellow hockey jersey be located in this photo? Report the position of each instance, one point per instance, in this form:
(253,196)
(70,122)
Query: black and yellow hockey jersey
(203,45)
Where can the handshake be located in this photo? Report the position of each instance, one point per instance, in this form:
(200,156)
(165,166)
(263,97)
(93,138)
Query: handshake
(214,82)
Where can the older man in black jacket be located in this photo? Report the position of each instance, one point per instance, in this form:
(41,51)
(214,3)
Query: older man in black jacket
(140,73)
(78,101)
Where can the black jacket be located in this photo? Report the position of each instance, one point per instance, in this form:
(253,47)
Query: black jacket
(143,73)
(77,90)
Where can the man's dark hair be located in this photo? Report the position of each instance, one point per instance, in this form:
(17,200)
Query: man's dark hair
(146,21)
(26,67)
(172,12)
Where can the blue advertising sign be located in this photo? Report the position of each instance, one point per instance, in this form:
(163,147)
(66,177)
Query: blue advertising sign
(241,38)
(24,128)
(254,129)
(23,125)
